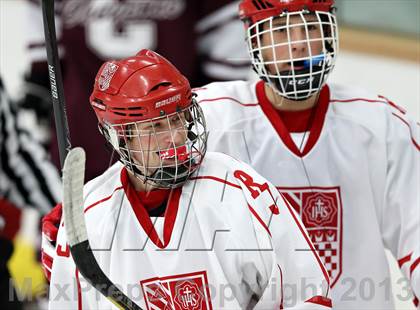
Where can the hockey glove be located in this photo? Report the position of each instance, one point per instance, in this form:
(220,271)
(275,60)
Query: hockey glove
(50,225)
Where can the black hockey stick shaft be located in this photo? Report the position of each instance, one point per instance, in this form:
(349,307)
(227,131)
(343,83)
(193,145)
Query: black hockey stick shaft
(56,81)
(82,254)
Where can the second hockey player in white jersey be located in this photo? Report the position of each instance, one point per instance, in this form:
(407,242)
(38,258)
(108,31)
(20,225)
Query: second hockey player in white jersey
(172,228)
(345,159)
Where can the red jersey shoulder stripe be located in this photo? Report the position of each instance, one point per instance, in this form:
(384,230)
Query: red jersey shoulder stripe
(394,105)
(102,200)
(358,99)
(198,88)
(213,178)
(255,214)
(409,128)
(404,260)
(381,99)
(414,265)
(231,99)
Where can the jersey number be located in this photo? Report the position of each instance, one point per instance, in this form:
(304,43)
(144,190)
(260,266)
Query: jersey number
(256,189)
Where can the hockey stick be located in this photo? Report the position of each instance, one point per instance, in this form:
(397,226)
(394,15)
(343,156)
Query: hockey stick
(56,81)
(73,181)
(73,176)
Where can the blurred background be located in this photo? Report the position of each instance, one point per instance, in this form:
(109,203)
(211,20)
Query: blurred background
(379,50)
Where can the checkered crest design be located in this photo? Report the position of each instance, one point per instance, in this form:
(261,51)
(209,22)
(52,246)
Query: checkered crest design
(179,292)
(321,212)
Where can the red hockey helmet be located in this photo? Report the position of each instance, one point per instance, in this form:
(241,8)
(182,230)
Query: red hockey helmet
(271,34)
(146,111)
(256,10)
(138,88)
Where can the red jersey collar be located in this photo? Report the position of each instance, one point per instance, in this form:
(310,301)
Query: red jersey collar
(276,121)
(297,121)
(143,216)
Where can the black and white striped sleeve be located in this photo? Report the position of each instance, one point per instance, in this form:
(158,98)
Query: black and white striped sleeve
(27,177)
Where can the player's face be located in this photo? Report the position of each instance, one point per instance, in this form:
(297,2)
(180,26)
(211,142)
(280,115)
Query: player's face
(158,143)
(288,40)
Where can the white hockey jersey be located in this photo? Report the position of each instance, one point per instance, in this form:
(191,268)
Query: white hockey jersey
(227,241)
(355,182)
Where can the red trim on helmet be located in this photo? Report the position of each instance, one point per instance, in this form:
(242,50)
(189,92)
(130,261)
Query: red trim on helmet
(139,88)
(256,10)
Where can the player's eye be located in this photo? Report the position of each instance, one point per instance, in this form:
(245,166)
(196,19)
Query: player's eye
(279,29)
(312,27)
(147,128)
(176,120)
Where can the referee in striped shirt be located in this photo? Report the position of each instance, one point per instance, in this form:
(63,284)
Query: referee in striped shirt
(27,180)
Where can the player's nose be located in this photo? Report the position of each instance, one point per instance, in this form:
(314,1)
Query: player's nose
(174,138)
(298,41)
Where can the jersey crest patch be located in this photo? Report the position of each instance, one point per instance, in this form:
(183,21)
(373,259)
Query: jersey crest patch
(321,212)
(106,75)
(179,292)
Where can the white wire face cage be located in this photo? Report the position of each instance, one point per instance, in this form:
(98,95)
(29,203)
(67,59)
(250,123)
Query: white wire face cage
(294,52)
(164,151)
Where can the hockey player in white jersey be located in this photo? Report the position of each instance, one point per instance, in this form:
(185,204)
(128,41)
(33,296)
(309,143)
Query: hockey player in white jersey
(347,160)
(172,228)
